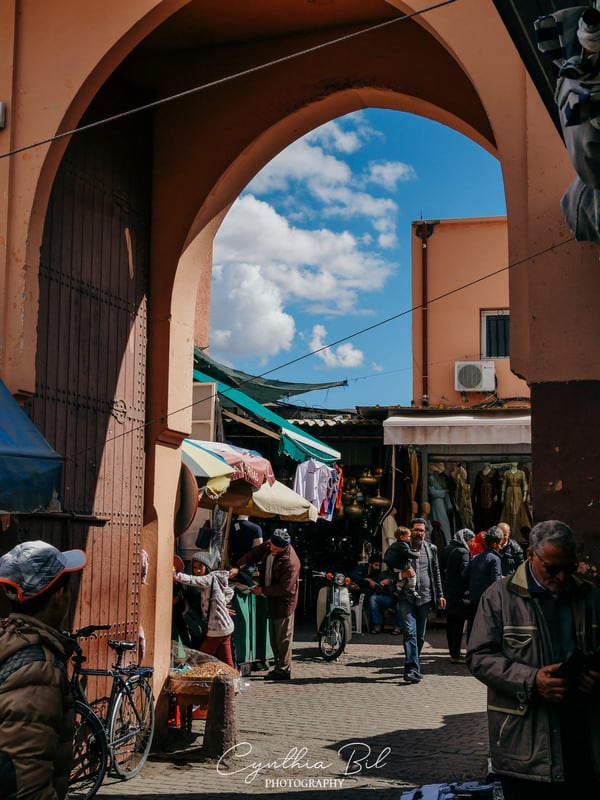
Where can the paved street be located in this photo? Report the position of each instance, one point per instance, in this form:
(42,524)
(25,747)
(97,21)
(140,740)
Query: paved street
(348,728)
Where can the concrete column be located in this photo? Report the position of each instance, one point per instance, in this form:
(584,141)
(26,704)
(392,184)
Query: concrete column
(565,429)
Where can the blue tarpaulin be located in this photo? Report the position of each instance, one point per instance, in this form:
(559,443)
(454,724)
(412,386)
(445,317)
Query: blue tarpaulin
(30,470)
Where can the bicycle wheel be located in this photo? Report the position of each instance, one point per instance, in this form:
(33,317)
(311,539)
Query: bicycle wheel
(130,727)
(90,754)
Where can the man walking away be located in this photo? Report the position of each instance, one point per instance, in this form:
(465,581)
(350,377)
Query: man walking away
(535,644)
(36,705)
(279,574)
(483,570)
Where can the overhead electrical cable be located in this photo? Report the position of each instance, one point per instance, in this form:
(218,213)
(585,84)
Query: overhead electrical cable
(219,81)
(360,332)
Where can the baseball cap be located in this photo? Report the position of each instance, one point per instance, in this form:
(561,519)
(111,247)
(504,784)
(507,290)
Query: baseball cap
(280,537)
(32,567)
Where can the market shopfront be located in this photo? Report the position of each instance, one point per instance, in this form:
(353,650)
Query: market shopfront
(468,470)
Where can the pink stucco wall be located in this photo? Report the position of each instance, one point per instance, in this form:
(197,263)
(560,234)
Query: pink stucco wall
(469,253)
(456,65)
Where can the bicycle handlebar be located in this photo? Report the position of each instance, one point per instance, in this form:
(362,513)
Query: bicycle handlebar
(86,631)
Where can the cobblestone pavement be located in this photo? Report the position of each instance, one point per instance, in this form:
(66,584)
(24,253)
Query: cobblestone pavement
(347,729)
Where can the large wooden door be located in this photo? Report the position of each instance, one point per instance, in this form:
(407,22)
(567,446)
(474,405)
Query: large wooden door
(91,360)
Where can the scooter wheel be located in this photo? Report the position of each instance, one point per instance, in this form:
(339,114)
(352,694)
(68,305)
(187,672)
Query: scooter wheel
(333,640)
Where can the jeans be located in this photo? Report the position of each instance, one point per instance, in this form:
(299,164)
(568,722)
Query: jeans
(413,621)
(378,602)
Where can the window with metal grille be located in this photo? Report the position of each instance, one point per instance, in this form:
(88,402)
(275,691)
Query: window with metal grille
(495,333)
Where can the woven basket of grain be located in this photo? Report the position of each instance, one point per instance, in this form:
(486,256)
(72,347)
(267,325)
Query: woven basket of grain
(197,679)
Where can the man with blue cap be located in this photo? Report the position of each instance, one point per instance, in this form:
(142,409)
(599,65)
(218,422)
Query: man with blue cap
(279,575)
(36,706)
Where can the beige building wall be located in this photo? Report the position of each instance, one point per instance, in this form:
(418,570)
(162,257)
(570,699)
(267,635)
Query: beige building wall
(463,265)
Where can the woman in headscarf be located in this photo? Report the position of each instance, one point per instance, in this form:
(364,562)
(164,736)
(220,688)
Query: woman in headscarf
(456,590)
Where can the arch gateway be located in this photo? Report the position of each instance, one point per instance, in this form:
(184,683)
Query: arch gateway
(106,235)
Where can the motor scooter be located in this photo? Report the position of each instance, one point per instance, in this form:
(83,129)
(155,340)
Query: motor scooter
(334,617)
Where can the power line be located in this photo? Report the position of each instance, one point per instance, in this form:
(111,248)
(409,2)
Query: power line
(449,293)
(226,79)
(241,74)
(360,332)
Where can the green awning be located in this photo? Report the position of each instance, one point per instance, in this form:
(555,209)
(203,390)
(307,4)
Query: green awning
(261,389)
(293,442)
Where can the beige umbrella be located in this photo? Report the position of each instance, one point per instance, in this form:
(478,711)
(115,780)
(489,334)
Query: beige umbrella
(275,500)
(279,500)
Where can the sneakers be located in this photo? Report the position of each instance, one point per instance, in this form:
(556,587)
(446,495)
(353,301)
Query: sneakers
(409,594)
(412,677)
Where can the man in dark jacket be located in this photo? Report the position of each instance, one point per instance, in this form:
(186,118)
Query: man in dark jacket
(484,569)
(511,552)
(414,612)
(278,582)
(36,705)
(456,590)
(544,727)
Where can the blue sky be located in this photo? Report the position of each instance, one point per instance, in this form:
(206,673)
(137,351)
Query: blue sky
(318,247)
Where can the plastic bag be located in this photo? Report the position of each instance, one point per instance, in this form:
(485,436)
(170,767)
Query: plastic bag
(471,790)
(192,672)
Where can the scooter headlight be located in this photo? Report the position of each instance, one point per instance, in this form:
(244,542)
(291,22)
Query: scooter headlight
(339,579)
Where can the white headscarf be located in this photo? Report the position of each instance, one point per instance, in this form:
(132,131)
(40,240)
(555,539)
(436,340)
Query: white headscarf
(463,535)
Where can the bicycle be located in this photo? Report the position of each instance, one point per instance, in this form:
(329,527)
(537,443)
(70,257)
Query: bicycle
(119,741)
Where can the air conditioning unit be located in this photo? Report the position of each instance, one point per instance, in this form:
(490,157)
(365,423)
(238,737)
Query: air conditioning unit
(474,376)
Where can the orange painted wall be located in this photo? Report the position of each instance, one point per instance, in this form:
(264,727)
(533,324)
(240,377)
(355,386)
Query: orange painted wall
(459,253)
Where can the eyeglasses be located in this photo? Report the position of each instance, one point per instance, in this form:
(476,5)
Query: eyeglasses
(554,569)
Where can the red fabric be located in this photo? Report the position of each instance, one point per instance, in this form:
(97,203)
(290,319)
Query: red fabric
(338,497)
(219,646)
(477,545)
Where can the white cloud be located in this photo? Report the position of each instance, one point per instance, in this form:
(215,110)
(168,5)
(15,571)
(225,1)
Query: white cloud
(307,266)
(300,162)
(248,319)
(389,173)
(287,251)
(319,184)
(344,355)
(334,136)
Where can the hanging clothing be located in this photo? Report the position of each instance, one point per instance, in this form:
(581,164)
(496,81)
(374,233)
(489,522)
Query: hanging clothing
(317,483)
(514,510)
(329,503)
(441,505)
(486,490)
(463,497)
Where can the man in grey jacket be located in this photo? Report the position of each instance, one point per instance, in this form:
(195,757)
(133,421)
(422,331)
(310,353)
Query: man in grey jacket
(414,612)
(535,644)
